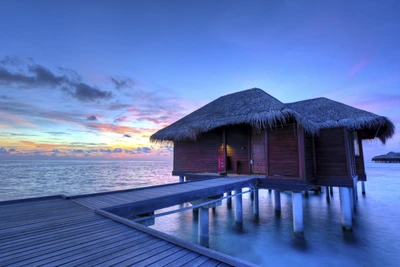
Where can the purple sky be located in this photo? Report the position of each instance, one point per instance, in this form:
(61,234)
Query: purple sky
(94,79)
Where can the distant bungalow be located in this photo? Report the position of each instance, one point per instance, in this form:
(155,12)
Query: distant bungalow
(391,157)
(288,146)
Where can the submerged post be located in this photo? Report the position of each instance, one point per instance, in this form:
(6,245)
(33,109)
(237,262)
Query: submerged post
(181,179)
(203,236)
(256,207)
(229,200)
(331,190)
(328,198)
(277,198)
(297,205)
(238,206)
(363,187)
(345,208)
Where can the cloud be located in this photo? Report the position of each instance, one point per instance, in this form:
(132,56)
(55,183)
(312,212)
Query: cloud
(92,151)
(105,150)
(55,151)
(127,136)
(128,151)
(30,75)
(3,151)
(58,133)
(91,118)
(122,83)
(117,150)
(78,151)
(86,93)
(143,150)
(4,97)
(11,150)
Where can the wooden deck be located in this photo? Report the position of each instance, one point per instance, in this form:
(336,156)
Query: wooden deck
(57,231)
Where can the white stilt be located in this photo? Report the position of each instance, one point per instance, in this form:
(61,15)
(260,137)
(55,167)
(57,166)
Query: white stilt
(229,200)
(363,187)
(277,197)
(345,208)
(256,207)
(352,205)
(203,235)
(297,205)
(181,179)
(238,207)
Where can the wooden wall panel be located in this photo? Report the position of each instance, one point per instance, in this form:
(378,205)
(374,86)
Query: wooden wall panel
(199,156)
(258,152)
(237,149)
(283,151)
(330,149)
(309,153)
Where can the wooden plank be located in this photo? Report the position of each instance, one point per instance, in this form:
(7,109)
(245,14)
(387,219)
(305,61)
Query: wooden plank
(183,260)
(196,261)
(115,252)
(171,258)
(155,257)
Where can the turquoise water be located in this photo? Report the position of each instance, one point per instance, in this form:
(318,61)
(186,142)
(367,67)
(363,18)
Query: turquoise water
(266,241)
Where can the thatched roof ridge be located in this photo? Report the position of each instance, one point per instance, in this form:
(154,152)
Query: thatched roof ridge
(327,113)
(252,106)
(261,110)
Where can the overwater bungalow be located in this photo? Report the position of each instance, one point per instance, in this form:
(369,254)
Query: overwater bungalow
(289,146)
(391,157)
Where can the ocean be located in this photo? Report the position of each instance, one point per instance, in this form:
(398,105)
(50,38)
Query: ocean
(266,241)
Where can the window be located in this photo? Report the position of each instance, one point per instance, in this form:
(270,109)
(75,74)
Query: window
(356,146)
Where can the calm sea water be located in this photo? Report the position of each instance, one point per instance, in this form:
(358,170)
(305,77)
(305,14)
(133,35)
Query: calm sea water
(266,241)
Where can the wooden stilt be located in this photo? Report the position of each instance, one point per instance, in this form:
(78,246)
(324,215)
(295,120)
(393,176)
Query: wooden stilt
(328,198)
(363,187)
(277,197)
(229,200)
(203,232)
(331,190)
(356,191)
(238,207)
(252,195)
(181,179)
(297,206)
(345,208)
(256,207)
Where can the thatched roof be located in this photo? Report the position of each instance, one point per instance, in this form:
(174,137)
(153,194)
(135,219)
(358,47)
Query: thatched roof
(260,110)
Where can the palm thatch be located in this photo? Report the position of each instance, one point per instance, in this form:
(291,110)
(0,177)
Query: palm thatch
(260,110)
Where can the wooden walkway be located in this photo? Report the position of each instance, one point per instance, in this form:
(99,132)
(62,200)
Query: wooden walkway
(57,231)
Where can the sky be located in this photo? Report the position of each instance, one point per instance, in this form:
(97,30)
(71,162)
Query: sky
(94,79)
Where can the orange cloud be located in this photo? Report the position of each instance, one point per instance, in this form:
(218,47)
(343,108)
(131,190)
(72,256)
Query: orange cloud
(33,144)
(359,66)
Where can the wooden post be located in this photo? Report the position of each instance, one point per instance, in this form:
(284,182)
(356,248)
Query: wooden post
(345,209)
(331,190)
(297,205)
(327,194)
(277,197)
(203,236)
(363,187)
(181,179)
(252,195)
(256,207)
(352,204)
(229,200)
(238,207)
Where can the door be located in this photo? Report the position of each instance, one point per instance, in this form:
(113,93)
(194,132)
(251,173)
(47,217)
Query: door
(258,152)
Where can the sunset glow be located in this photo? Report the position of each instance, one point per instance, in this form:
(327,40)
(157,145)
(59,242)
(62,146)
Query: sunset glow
(98,84)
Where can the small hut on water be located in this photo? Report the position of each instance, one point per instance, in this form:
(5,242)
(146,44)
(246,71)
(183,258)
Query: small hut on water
(391,157)
(289,146)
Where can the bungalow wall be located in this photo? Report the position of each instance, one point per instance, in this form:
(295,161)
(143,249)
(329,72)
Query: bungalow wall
(283,156)
(200,155)
(330,152)
(309,150)
(335,161)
